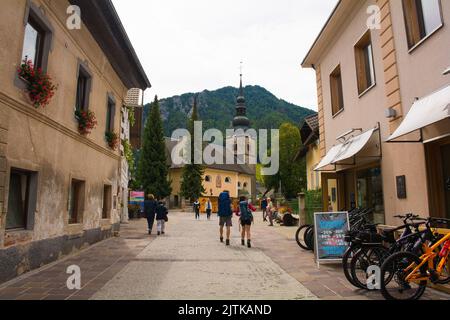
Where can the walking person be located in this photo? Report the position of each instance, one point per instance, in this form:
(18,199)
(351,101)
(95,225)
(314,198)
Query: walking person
(246,213)
(197,209)
(225,215)
(162,217)
(264,209)
(150,211)
(208,209)
(270,211)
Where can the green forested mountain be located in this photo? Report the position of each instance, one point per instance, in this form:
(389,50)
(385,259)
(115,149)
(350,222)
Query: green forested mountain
(217,109)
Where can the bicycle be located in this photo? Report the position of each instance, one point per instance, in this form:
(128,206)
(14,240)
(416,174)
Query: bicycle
(374,254)
(412,272)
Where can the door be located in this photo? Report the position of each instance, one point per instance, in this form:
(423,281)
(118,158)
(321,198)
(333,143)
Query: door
(445,153)
(333,198)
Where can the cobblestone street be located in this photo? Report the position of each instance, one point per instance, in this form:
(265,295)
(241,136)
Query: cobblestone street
(190,263)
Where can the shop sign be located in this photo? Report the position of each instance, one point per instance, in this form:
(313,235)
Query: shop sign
(330,229)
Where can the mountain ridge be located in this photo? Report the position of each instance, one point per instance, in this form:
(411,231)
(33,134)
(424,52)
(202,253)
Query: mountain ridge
(217,109)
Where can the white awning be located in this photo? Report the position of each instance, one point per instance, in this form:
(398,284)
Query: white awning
(346,150)
(425,112)
(354,146)
(330,156)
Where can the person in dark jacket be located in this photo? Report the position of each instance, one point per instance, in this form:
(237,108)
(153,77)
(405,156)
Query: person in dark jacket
(225,215)
(150,211)
(161,217)
(197,209)
(264,209)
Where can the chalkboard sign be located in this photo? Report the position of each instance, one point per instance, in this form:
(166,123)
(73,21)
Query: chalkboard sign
(330,229)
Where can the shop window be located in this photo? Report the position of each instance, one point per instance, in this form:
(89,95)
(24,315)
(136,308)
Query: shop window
(110,114)
(337,95)
(365,70)
(83,88)
(370,192)
(106,208)
(21,200)
(37,38)
(422,18)
(76,201)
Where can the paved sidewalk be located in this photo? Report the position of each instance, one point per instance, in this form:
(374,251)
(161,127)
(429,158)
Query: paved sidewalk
(99,264)
(328,282)
(190,263)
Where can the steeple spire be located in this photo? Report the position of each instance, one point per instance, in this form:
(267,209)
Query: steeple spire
(241,90)
(240,120)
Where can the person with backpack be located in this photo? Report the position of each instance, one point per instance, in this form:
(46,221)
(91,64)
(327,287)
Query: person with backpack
(197,209)
(246,220)
(150,211)
(161,217)
(208,209)
(225,215)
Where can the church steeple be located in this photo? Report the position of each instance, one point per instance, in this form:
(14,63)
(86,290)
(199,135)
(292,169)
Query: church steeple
(240,120)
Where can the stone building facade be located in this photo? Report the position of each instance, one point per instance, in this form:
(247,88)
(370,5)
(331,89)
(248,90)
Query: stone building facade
(59,189)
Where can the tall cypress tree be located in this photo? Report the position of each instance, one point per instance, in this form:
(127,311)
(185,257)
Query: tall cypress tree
(153,171)
(192,178)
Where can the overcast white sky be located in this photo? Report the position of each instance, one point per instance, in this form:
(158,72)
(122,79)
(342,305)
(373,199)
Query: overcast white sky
(189,46)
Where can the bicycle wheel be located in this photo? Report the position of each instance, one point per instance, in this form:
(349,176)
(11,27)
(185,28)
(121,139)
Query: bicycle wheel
(444,277)
(362,260)
(346,259)
(300,237)
(309,238)
(400,288)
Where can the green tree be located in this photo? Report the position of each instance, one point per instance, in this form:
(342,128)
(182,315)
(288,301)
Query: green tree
(153,170)
(292,174)
(192,177)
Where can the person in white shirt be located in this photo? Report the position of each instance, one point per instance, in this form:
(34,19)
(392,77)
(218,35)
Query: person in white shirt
(208,209)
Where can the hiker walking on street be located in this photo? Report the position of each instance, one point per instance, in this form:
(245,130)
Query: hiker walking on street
(161,217)
(225,215)
(270,211)
(246,220)
(208,209)
(197,209)
(264,209)
(150,210)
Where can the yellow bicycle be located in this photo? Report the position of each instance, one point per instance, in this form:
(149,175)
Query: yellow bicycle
(412,273)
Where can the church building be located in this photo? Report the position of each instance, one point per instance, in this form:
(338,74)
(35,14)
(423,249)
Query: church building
(238,178)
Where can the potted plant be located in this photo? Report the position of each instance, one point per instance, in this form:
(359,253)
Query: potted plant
(113,139)
(40,87)
(86,121)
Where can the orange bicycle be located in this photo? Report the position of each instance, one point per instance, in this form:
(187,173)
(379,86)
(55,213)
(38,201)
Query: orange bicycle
(412,273)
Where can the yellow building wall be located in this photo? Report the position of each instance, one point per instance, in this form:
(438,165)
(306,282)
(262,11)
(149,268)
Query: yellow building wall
(213,188)
(312,160)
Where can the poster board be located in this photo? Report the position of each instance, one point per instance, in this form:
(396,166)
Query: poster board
(329,232)
(137,197)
